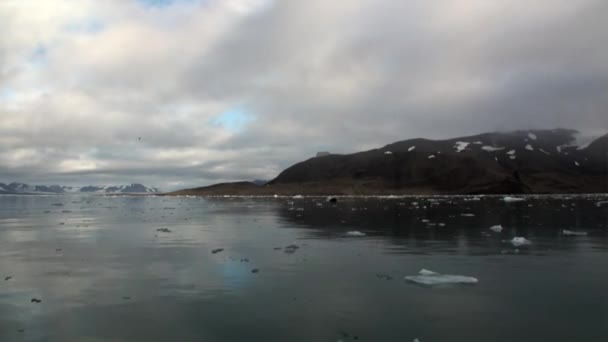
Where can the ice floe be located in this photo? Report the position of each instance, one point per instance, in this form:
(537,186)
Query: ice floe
(426,277)
(298,197)
(532,136)
(497,228)
(355,233)
(411,148)
(519,241)
(511,153)
(529,147)
(388,152)
(513,199)
(431,156)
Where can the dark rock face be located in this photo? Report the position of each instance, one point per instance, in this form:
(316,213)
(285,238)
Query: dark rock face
(536,161)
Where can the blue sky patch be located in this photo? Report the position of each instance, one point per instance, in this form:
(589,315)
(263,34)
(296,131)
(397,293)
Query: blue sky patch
(234,119)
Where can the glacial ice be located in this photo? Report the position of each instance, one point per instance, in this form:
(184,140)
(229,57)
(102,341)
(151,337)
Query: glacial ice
(355,233)
(426,277)
(520,241)
(497,228)
(513,199)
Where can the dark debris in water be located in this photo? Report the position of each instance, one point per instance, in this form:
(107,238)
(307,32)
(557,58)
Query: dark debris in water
(164,230)
(217,250)
(8,278)
(255,270)
(36,300)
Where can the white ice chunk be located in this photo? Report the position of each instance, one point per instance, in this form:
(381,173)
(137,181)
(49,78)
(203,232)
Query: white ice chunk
(513,199)
(497,228)
(431,156)
(545,152)
(411,148)
(388,152)
(532,136)
(355,233)
(511,153)
(529,147)
(520,241)
(298,197)
(426,277)
(492,148)
(576,163)
(573,233)
(461,146)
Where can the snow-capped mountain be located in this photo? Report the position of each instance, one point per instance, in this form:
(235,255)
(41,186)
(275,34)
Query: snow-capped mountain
(22,188)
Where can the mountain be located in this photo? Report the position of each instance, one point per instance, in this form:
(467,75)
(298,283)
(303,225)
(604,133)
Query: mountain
(532,161)
(21,188)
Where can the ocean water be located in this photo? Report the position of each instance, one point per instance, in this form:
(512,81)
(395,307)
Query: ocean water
(135,268)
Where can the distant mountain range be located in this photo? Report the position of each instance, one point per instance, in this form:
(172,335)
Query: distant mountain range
(532,161)
(21,188)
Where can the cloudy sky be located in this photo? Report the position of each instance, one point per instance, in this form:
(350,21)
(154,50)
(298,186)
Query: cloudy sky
(178,93)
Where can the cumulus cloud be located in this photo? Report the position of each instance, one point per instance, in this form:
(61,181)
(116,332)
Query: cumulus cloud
(138,90)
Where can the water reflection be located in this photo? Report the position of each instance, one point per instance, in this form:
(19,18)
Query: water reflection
(105,273)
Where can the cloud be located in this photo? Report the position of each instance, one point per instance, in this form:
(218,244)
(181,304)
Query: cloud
(228,90)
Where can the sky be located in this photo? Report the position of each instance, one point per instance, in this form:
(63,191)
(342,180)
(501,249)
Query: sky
(182,93)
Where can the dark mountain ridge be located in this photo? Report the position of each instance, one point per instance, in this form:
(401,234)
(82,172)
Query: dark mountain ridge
(532,161)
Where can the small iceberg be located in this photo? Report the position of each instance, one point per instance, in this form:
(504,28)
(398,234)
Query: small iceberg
(298,197)
(429,278)
(520,241)
(567,232)
(509,199)
(355,233)
(497,228)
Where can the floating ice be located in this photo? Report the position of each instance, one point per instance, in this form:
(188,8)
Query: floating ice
(513,199)
(520,241)
(431,156)
(532,136)
(511,153)
(529,147)
(426,277)
(467,215)
(492,148)
(355,233)
(567,232)
(545,152)
(497,228)
(298,197)
(576,163)
(411,148)
(388,152)
(461,146)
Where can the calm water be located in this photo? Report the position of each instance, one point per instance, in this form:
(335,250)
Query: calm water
(104,273)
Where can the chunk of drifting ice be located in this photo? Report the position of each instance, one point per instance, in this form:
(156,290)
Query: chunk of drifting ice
(532,136)
(426,277)
(431,156)
(298,197)
(520,241)
(388,152)
(529,147)
(513,199)
(576,163)
(497,228)
(411,148)
(355,233)
(511,153)
(567,232)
